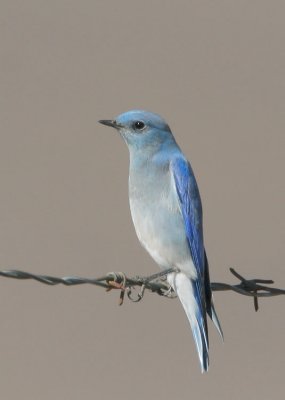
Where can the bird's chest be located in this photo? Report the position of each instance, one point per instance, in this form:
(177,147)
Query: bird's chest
(152,200)
(156,213)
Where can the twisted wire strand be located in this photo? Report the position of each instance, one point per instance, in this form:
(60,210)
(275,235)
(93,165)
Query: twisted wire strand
(155,283)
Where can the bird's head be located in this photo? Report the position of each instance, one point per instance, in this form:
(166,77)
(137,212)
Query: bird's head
(141,130)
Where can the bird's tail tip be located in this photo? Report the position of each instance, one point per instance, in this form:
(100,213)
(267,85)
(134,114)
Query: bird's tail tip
(201,344)
(215,319)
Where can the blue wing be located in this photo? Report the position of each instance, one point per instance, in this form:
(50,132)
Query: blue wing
(191,209)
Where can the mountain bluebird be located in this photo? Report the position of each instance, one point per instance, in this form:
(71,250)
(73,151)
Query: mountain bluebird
(167,214)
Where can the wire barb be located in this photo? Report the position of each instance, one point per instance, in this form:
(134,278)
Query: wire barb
(156,283)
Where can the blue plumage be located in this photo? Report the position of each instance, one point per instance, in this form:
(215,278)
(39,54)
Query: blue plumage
(167,214)
(191,207)
(189,197)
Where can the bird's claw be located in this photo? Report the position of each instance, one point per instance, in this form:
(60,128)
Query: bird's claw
(139,295)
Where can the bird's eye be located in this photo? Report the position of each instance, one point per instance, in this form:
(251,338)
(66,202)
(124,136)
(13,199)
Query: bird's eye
(139,125)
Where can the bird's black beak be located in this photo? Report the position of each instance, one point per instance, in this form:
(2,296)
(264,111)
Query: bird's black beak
(110,122)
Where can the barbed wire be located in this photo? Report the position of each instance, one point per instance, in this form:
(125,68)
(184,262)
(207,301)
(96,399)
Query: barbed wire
(156,283)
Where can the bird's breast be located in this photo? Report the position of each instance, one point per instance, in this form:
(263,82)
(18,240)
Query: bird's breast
(157,217)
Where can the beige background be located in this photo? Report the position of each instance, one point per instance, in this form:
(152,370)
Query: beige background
(215,71)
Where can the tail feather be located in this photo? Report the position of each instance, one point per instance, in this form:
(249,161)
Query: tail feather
(188,293)
(209,299)
(213,315)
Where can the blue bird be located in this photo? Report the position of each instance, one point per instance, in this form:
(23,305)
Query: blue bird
(167,214)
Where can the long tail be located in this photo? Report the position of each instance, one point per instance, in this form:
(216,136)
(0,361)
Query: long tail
(188,293)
